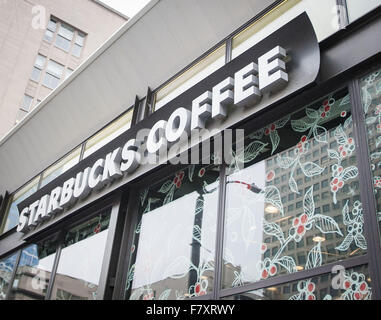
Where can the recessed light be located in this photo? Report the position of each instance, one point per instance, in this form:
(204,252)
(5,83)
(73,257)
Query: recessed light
(299,268)
(271,209)
(318,239)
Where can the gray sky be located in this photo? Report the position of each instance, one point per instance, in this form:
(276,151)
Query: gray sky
(127,7)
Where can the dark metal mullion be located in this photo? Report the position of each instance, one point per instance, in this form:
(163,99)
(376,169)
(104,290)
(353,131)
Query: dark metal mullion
(83,147)
(13,276)
(55,267)
(343,13)
(127,242)
(3,208)
(228,51)
(371,229)
(297,276)
(103,281)
(218,268)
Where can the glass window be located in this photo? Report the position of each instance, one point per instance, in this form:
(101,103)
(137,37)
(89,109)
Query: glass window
(12,216)
(54,72)
(109,133)
(60,167)
(63,43)
(357,9)
(324,24)
(39,65)
(50,30)
(6,269)
(189,78)
(80,39)
(64,37)
(34,272)
(78,45)
(77,50)
(26,103)
(55,68)
(371,98)
(80,263)
(174,240)
(356,286)
(51,81)
(66,31)
(249,196)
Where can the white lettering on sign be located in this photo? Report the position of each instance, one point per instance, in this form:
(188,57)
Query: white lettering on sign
(245,89)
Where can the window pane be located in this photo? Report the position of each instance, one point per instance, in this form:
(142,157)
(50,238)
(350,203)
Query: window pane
(80,263)
(48,36)
(50,81)
(55,68)
(282,14)
(36,74)
(356,286)
(62,166)
(63,43)
(357,9)
(6,269)
(250,196)
(12,217)
(52,25)
(40,62)
(80,39)
(174,239)
(77,50)
(108,134)
(34,272)
(189,78)
(66,31)
(26,103)
(371,97)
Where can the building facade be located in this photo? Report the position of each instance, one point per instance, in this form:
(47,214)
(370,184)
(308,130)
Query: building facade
(108,201)
(42,42)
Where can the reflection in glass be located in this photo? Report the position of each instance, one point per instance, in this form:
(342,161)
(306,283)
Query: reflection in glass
(60,167)
(6,269)
(323,15)
(109,133)
(81,258)
(190,77)
(174,239)
(266,230)
(355,285)
(12,216)
(34,272)
(357,9)
(371,97)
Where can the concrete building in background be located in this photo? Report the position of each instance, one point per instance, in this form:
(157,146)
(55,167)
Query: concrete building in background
(41,43)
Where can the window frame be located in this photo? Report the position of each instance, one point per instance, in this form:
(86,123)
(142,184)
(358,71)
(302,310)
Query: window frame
(116,207)
(370,258)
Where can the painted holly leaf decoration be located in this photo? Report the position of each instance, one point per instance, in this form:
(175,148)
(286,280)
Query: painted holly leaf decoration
(275,139)
(314,258)
(272,229)
(288,263)
(326,224)
(311,169)
(308,203)
(252,151)
(165,294)
(272,196)
(197,233)
(166,186)
(293,185)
